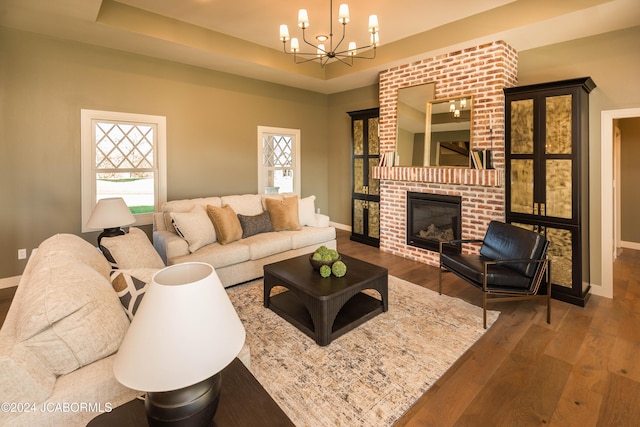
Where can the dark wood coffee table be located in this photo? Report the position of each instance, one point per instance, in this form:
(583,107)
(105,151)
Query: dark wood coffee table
(325,308)
(243,402)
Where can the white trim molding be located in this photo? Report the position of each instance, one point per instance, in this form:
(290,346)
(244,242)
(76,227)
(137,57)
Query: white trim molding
(606,202)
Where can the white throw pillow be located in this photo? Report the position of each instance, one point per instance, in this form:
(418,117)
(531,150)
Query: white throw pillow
(307,211)
(133,250)
(195,227)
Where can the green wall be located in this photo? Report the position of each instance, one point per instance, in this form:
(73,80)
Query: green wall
(339,147)
(212,121)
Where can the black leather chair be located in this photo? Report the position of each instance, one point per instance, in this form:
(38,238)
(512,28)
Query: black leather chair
(511,265)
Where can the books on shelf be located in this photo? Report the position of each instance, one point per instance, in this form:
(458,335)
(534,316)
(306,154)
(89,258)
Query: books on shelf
(478,159)
(388,159)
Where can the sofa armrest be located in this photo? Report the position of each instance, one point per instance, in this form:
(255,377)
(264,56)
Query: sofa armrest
(322,220)
(169,245)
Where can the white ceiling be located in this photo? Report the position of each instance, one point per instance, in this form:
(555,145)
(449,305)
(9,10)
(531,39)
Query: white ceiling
(241,37)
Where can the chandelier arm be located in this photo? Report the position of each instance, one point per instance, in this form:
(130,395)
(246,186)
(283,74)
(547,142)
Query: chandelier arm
(358,49)
(344,30)
(343,55)
(309,43)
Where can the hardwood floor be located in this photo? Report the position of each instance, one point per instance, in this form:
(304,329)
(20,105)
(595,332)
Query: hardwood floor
(582,370)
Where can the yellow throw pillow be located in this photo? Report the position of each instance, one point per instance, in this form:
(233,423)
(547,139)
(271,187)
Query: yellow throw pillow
(284,213)
(226,223)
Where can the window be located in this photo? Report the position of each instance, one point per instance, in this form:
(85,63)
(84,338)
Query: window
(123,155)
(278,160)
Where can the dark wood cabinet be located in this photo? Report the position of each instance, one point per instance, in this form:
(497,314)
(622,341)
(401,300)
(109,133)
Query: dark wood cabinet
(547,181)
(365,190)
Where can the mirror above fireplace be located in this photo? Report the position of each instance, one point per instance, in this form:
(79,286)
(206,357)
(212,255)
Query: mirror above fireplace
(433,132)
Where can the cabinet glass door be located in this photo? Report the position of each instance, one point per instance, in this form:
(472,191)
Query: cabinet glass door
(366,190)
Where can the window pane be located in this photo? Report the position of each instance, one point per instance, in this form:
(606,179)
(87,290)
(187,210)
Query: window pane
(137,189)
(278,181)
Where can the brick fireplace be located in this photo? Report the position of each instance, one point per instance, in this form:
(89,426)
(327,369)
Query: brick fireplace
(482,71)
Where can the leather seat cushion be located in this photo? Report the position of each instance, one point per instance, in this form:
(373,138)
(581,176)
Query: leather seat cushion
(471,267)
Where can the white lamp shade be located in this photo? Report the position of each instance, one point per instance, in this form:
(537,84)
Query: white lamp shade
(110,213)
(184,331)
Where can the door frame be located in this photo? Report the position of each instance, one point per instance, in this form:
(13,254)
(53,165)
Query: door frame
(607,208)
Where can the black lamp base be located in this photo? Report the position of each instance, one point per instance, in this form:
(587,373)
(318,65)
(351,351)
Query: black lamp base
(109,232)
(191,406)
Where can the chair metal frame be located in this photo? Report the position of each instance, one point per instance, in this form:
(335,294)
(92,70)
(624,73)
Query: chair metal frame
(492,293)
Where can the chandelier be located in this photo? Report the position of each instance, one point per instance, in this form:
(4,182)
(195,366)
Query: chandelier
(456,109)
(326,50)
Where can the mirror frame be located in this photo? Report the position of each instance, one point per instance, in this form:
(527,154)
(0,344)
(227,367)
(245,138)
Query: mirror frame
(467,113)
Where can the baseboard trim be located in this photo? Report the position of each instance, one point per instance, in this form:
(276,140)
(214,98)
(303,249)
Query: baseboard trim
(340,226)
(9,282)
(630,245)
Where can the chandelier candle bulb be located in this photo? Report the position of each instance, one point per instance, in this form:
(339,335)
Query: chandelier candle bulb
(343,14)
(373,23)
(320,50)
(303,19)
(352,48)
(284,33)
(295,45)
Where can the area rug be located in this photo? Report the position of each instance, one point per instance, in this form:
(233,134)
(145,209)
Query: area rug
(371,375)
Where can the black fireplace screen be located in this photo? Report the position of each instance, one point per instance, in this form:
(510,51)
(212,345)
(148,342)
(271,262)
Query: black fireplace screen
(433,218)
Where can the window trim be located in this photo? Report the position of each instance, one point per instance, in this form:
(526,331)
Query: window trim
(296,156)
(88,155)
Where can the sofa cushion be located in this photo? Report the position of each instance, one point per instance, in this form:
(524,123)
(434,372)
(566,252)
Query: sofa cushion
(79,249)
(133,250)
(245,204)
(226,223)
(309,236)
(69,315)
(130,286)
(266,244)
(24,378)
(185,206)
(195,227)
(255,224)
(218,255)
(284,213)
(307,211)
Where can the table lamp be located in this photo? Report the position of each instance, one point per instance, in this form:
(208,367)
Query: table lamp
(183,334)
(110,214)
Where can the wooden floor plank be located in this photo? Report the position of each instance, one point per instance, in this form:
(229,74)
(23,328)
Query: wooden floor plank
(622,403)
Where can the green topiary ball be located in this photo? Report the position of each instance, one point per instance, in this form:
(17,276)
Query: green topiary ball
(325,271)
(339,269)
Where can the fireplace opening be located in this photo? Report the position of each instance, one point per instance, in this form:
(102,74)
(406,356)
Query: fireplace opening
(433,218)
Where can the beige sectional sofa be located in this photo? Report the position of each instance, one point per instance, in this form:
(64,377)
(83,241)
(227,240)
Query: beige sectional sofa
(64,326)
(58,339)
(239,260)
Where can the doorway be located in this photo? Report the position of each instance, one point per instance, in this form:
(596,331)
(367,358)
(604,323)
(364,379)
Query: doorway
(607,204)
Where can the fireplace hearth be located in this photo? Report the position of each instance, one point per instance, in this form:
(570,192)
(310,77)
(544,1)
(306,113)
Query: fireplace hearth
(433,218)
